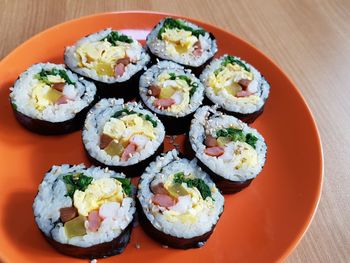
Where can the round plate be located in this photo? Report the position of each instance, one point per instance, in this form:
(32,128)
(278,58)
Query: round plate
(262,223)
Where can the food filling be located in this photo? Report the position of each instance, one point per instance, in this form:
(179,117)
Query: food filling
(182,39)
(94,201)
(233,147)
(172,92)
(126,133)
(234,79)
(109,56)
(181,197)
(54,87)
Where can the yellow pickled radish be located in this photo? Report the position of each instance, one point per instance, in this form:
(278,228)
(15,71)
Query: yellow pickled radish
(114,148)
(75,227)
(222,141)
(166,92)
(176,190)
(103,68)
(53,95)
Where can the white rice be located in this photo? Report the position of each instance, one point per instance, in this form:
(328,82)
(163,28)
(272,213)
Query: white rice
(168,165)
(229,102)
(203,124)
(72,60)
(149,77)
(52,197)
(158,47)
(21,95)
(93,127)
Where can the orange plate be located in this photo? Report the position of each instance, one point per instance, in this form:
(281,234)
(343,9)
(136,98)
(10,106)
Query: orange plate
(262,223)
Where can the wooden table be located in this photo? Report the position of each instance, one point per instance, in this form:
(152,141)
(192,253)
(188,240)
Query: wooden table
(310,40)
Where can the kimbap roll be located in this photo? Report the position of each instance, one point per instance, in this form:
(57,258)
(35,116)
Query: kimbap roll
(113,60)
(49,99)
(85,212)
(173,93)
(230,151)
(178,204)
(122,137)
(182,42)
(236,87)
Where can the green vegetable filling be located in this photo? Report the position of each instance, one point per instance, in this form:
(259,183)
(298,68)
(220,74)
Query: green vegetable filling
(230,60)
(237,135)
(192,84)
(77,181)
(124,112)
(14,106)
(42,75)
(202,187)
(114,36)
(171,23)
(126,185)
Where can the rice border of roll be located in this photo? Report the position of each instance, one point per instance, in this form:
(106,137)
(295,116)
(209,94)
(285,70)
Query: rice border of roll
(226,185)
(174,123)
(47,127)
(126,89)
(159,235)
(132,169)
(100,250)
(156,57)
(228,106)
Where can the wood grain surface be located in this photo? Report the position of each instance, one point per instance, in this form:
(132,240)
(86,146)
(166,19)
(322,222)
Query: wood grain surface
(309,39)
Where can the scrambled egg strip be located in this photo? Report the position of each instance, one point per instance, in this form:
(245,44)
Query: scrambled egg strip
(178,41)
(226,81)
(100,56)
(100,191)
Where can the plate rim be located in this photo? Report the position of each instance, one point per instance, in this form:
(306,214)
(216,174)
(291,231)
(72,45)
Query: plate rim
(305,226)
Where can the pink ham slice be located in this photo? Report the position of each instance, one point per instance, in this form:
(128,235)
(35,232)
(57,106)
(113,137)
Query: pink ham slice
(163,200)
(128,151)
(62,100)
(244,83)
(155,90)
(243,93)
(105,140)
(68,213)
(197,49)
(119,69)
(214,151)
(125,61)
(58,86)
(210,141)
(164,103)
(159,189)
(94,221)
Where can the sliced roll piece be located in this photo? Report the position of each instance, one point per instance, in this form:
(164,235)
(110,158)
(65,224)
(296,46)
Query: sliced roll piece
(230,151)
(49,99)
(178,204)
(183,42)
(113,60)
(85,212)
(236,87)
(173,93)
(122,137)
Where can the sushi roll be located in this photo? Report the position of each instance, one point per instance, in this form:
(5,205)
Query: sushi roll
(178,204)
(236,87)
(183,42)
(113,60)
(173,93)
(85,212)
(230,151)
(49,99)
(122,137)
